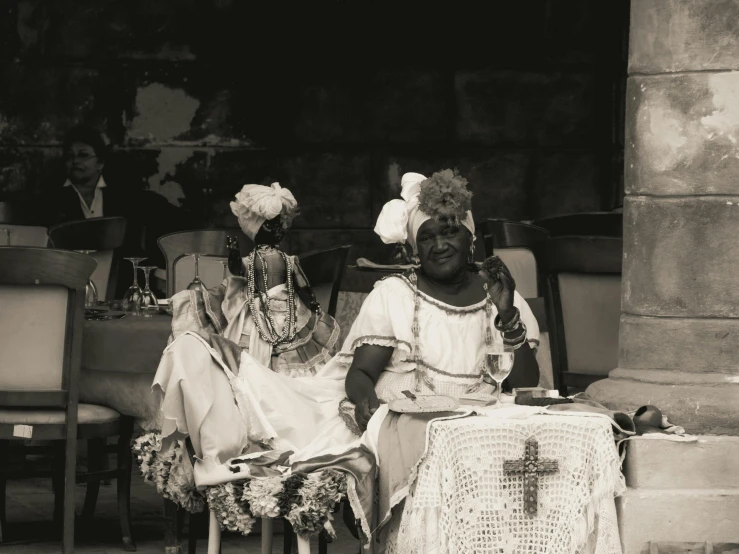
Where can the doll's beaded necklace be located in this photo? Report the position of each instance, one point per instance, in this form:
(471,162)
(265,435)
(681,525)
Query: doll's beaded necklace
(289,329)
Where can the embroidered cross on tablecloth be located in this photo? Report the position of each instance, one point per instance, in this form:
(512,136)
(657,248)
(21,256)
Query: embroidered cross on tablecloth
(532,467)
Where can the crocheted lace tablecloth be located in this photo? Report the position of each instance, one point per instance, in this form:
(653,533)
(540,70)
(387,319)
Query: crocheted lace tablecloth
(463,502)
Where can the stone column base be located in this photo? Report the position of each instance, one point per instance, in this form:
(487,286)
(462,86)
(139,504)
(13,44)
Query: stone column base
(680,492)
(699,402)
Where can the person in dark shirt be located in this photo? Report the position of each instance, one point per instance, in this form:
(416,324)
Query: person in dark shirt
(92,190)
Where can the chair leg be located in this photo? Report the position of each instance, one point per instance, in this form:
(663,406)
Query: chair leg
(323,543)
(303,545)
(173,517)
(3,480)
(193,531)
(57,483)
(95,455)
(288,537)
(124,482)
(267,531)
(214,535)
(70,481)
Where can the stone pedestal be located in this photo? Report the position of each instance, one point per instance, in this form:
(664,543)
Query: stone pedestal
(680,492)
(679,343)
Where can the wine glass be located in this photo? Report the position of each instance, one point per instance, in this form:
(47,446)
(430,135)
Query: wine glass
(91,291)
(147,304)
(130,299)
(499,363)
(196,283)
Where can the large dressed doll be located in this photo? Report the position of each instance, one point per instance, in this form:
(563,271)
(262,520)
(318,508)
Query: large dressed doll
(266,306)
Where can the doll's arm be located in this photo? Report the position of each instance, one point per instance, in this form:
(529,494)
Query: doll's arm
(303,288)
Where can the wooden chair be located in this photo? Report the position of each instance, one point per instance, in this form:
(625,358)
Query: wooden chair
(14,212)
(104,235)
(514,242)
(23,235)
(325,271)
(592,224)
(42,292)
(212,242)
(583,295)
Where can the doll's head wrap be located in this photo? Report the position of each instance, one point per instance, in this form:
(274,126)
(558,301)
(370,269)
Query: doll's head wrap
(256,204)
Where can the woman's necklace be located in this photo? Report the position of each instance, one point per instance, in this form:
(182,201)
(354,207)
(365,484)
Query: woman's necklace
(288,330)
(422,375)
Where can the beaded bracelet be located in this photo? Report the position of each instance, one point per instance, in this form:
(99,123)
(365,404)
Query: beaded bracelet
(512,325)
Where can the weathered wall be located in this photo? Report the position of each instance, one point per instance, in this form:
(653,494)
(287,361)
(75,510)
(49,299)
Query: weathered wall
(201,96)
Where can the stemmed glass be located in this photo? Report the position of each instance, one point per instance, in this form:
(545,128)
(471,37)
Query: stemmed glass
(91,291)
(131,298)
(147,304)
(196,283)
(499,363)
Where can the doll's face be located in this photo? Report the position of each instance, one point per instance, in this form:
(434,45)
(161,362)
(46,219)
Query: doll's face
(271,232)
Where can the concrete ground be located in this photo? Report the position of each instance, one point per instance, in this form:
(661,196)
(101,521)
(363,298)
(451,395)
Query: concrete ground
(29,529)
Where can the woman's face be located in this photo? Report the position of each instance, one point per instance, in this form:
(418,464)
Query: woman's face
(83,165)
(443,248)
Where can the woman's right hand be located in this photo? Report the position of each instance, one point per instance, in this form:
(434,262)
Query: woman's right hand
(365,409)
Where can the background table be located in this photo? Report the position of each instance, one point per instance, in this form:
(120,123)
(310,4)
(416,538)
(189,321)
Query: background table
(119,360)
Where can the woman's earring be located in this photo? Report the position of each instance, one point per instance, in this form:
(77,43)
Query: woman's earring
(472,254)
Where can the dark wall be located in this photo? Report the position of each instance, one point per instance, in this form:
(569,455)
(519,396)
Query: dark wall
(199,97)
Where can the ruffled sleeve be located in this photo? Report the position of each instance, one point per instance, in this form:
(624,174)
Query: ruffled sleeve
(385,319)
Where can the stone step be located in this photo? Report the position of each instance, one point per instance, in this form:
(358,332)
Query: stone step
(683,515)
(707,462)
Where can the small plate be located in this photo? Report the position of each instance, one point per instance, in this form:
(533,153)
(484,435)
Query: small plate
(424,404)
(477,400)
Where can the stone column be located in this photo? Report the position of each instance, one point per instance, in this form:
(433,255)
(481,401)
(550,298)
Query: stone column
(679,336)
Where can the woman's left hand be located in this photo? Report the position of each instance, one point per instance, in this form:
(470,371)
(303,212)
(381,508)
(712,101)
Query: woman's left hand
(501,286)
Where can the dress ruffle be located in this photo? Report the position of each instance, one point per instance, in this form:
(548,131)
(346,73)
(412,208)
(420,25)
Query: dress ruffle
(217,311)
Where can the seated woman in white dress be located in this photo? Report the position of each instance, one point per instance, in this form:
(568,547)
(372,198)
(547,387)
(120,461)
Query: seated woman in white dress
(426,331)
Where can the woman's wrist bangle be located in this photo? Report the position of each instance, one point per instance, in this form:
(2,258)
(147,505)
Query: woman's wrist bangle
(511,325)
(516,341)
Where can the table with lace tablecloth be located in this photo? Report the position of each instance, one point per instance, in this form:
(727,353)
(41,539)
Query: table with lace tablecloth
(463,501)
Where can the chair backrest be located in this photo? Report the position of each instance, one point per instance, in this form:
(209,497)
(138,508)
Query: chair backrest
(13,212)
(42,294)
(592,224)
(583,293)
(104,235)
(210,271)
(23,235)
(325,270)
(501,233)
(514,242)
(212,242)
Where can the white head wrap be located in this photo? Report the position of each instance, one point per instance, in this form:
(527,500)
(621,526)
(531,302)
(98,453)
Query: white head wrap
(256,204)
(400,220)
